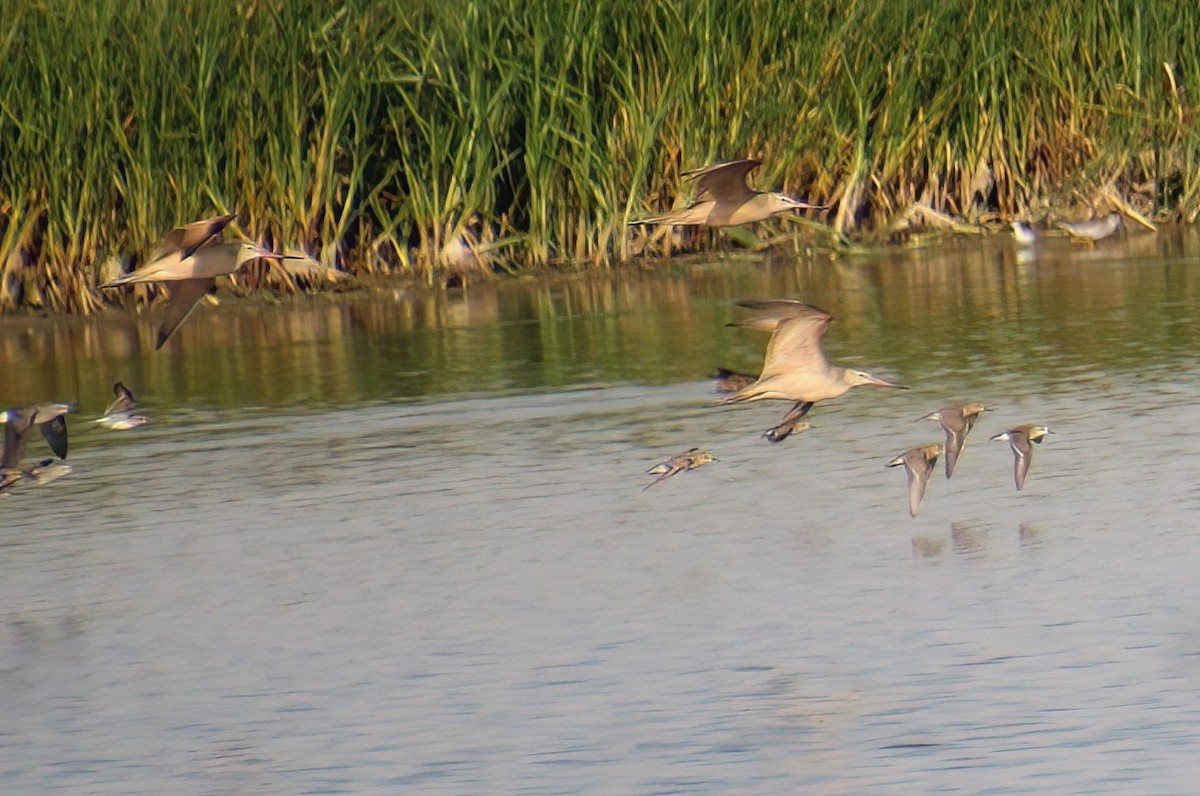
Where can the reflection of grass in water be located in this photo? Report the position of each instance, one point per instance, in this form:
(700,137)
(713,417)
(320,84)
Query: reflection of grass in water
(381,127)
(950,323)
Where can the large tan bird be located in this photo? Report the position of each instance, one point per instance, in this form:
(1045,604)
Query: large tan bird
(723,199)
(796,368)
(191,258)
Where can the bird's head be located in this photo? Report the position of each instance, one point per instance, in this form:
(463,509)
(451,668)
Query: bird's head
(857,378)
(1037,432)
(781,203)
(249,251)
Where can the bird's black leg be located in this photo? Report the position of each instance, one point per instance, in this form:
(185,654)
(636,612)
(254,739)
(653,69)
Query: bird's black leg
(786,426)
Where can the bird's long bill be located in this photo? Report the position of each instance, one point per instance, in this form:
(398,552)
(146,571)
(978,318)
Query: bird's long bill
(882,383)
(267,254)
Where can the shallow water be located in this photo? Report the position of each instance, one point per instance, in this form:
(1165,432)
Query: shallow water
(400,544)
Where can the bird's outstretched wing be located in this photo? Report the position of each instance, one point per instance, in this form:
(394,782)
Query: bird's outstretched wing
(797,329)
(55,432)
(184,295)
(123,400)
(190,237)
(724,182)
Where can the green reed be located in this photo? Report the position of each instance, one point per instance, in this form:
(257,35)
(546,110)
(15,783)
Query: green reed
(378,129)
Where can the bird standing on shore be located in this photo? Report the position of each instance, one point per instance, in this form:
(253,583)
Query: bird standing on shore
(724,199)
(1093,229)
(191,258)
(796,368)
(1023,234)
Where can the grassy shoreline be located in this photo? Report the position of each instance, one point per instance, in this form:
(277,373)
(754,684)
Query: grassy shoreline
(371,133)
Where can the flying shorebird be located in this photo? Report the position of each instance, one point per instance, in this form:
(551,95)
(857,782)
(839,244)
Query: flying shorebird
(1093,229)
(1019,439)
(957,421)
(119,414)
(191,258)
(51,418)
(690,459)
(723,199)
(791,424)
(919,464)
(731,380)
(41,473)
(796,368)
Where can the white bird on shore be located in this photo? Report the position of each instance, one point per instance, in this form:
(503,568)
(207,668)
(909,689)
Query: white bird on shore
(1023,234)
(1093,229)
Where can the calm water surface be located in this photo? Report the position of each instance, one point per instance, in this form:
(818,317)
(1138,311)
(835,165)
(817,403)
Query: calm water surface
(399,544)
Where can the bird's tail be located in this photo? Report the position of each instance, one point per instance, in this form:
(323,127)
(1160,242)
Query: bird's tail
(678,216)
(124,279)
(650,221)
(132,278)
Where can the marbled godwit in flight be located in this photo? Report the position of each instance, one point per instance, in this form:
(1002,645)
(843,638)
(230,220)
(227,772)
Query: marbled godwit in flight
(796,368)
(724,199)
(190,258)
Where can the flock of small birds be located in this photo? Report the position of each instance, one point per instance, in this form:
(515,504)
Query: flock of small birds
(51,419)
(796,369)
(189,258)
